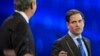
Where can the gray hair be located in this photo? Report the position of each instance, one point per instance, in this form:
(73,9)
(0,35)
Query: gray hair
(22,5)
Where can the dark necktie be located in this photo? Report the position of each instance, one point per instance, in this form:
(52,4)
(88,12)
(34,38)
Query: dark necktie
(81,47)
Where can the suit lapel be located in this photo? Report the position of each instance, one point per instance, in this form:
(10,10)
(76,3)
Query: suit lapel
(73,48)
(86,42)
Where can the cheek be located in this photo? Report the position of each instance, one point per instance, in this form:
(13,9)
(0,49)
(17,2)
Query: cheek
(71,27)
(35,7)
(82,25)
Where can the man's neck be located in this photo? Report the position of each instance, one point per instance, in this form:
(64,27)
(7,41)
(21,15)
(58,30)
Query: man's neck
(73,35)
(27,13)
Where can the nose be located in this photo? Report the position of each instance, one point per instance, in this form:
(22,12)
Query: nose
(77,24)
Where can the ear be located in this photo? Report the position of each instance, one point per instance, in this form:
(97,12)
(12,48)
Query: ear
(31,5)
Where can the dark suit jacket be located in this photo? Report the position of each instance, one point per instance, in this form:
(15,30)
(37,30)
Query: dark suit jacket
(67,44)
(16,34)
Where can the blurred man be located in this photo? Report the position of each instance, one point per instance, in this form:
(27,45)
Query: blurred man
(16,36)
(73,43)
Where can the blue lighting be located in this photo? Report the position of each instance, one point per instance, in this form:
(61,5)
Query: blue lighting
(48,23)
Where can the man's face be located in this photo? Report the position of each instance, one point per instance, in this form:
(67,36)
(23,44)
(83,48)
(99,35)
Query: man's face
(76,24)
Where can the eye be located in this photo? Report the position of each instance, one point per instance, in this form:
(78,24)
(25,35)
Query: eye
(80,21)
(73,22)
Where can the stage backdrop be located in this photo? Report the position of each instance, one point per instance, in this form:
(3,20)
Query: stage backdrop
(48,23)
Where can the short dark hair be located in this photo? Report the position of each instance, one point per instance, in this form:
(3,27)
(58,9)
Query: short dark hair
(21,5)
(72,12)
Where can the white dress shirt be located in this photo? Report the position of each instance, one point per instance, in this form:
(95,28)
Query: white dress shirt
(74,37)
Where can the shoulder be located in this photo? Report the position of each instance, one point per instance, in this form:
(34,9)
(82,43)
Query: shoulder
(61,40)
(86,39)
(13,21)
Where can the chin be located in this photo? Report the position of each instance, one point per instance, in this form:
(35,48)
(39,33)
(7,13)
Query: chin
(77,33)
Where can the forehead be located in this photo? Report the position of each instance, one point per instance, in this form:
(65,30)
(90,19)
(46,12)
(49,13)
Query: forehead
(75,17)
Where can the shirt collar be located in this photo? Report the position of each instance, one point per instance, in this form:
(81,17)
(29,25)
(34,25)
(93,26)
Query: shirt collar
(24,15)
(74,36)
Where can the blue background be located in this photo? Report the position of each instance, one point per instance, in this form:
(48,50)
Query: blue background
(48,23)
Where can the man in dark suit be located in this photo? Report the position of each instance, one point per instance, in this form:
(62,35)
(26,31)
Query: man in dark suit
(69,45)
(16,36)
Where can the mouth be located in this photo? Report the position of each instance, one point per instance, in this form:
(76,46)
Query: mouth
(78,29)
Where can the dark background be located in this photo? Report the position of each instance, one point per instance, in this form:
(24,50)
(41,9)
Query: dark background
(48,23)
